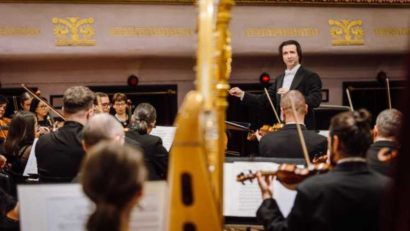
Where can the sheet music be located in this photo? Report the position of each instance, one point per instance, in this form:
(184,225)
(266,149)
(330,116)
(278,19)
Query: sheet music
(324,133)
(31,166)
(166,133)
(64,207)
(244,200)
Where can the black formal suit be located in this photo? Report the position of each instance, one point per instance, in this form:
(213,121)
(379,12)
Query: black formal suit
(59,154)
(374,163)
(346,198)
(155,154)
(285,143)
(305,81)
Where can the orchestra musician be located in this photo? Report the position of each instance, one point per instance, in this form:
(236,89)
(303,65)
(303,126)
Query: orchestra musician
(295,77)
(115,193)
(22,131)
(284,143)
(25,101)
(348,197)
(41,110)
(155,154)
(119,102)
(102,100)
(385,136)
(4,121)
(59,154)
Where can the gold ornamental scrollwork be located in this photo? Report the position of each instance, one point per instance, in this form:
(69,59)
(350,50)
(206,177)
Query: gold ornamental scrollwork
(74,31)
(346,32)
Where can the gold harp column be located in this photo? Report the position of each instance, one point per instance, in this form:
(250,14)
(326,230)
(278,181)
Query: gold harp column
(194,177)
(223,71)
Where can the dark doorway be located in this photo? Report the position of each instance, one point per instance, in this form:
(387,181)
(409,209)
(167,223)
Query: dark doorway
(162,97)
(372,95)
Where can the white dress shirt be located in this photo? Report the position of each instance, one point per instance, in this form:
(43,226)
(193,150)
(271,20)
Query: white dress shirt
(289,76)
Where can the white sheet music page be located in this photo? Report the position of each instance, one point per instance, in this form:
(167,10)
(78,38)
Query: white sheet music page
(166,133)
(64,207)
(244,200)
(31,166)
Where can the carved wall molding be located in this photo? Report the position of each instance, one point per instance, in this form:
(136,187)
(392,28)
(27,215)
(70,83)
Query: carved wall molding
(360,3)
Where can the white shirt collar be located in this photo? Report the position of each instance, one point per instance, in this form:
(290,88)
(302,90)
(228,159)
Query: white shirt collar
(293,70)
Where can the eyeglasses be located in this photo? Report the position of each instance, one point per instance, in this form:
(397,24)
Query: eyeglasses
(119,104)
(105,104)
(43,106)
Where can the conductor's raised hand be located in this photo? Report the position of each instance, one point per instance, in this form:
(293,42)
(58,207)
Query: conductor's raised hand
(237,92)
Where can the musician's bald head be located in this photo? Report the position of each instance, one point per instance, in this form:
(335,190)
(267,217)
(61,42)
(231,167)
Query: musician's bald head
(298,100)
(102,127)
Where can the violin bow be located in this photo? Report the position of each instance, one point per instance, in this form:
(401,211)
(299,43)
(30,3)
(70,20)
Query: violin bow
(388,91)
(349,98)
(271,104)
(301,138)
(41,100)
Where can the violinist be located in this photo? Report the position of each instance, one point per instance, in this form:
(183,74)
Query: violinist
(41,110)
(295,77)
(385,136)
(59,154)
(284,143)
(23,130)
(102,99)
(345,198)
(25,101)
(4,122)
(119,101)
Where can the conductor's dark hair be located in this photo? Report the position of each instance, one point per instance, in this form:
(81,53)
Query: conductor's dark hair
(291,42)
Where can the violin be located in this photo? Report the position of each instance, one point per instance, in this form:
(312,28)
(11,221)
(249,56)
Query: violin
(289,174)
(265,129)
(386,155)
(4,127)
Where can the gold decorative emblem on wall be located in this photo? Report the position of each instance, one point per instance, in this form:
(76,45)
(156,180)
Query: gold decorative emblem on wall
(74,31)
(346,33)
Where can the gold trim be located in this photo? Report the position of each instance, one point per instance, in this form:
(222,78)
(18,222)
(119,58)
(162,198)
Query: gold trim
(346,32)
(74,31)
(365,3)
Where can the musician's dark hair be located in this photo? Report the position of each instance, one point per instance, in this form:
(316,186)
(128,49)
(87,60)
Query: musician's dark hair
(291,42)
(100,95)
(34,104)
(111,191)
(143,118)
(119,97)
(25,96)
(353,130)
(21,132)
(3,100)
(77,98)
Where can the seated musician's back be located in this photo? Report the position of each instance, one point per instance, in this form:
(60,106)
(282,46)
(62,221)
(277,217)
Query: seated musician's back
(59,154)
(285,142)
(346,198)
